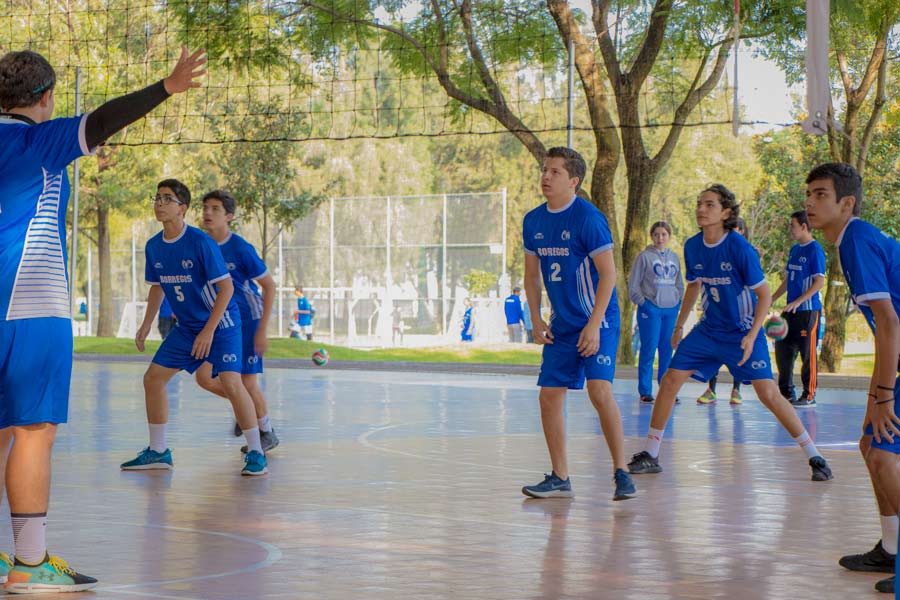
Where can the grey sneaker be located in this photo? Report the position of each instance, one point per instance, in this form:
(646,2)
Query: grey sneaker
(268,439)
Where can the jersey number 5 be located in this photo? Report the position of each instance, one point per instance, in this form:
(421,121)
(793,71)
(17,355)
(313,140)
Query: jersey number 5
(555,268)
(178,293)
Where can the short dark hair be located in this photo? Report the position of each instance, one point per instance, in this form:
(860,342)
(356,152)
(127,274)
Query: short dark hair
(575,165)
(180,190)
(662,224)
(24,77)
(727,200)
(846,181)
(802,218)
(741,225)
(227,200)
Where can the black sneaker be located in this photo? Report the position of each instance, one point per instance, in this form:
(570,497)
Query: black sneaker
(647,399)
(238,432)
(642,462)
(820,469)
(268,439)
(876,560)
(804,401)
(885,585)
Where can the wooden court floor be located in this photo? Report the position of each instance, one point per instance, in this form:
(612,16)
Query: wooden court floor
(400,485)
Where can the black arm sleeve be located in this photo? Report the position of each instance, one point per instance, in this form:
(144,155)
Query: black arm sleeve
(118,113)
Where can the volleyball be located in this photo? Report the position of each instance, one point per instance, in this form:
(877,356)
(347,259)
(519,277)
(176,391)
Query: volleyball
(320,357)
(776,328)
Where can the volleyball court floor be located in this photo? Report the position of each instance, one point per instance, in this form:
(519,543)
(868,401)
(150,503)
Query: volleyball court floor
(392,485)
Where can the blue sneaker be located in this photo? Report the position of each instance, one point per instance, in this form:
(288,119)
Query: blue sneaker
(255,463)
(551,487)
(625,489)
(148,459)
(50,576)
(6,564)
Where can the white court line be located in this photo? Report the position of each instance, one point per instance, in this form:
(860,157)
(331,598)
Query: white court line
(273,555)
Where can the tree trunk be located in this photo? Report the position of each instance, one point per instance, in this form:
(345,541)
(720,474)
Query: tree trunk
(835,317)
(105,319)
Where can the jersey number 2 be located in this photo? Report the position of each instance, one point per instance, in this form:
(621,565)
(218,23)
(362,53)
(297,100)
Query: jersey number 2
(555,268)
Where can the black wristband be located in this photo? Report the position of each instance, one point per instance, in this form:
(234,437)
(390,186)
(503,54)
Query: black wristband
(885,401)
(881,387)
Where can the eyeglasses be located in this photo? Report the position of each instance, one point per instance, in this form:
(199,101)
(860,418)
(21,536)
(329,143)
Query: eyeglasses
(165,199)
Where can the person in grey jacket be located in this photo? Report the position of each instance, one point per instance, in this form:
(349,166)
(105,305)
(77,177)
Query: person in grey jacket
(655,286)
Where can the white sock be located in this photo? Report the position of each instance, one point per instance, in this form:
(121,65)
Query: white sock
(29,534)
(889,530)
(804,441)
(158,437)
(264,425)
(252,437)
(654,441)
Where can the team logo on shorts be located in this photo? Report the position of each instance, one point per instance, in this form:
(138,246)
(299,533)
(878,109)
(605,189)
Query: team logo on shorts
(187,264)
(759,364)
(253,360)
(566,235)
(158,265)
(229,358)
(604,360)
(725,266)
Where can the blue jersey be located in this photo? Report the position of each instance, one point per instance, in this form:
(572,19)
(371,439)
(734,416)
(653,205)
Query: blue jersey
(727,270)
(805,263)
(188,269)
(566,241)
(304,319)
(513,309)
(244,265)
(34,195)
(871,264)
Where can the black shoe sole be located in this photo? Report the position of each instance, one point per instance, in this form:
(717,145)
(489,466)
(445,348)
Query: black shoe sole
(644,471)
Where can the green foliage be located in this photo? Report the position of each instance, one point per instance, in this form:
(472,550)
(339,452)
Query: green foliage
(478,282)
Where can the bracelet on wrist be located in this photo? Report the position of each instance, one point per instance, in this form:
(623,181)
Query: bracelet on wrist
(884,387)
(885,401)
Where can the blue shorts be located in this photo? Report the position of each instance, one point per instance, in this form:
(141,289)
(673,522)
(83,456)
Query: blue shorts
(563,366)
(884,444)
(224,354)
(35,371)
(252,362)
(703,352)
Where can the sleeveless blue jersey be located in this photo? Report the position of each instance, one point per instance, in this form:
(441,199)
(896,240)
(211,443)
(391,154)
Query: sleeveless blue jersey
(188,269)
(566,241)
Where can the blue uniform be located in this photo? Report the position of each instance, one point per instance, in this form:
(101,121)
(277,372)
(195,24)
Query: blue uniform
(304,319)
(513,309)
(188,268)
(870,261)
(566,241)
(34,297)
(245,265)
(728,271)
(805,263)
(466,335)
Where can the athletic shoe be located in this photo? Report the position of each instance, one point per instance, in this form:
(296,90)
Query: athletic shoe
(255,464)
(820,469)
(551,487)
(268,439)
(642,462)
(735,397)
(804,401)
(238,432)
(52,575)
(885,585)
(149,459)
(624,486)
(707,397)
(6,564)
(647,399)
(876,560)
